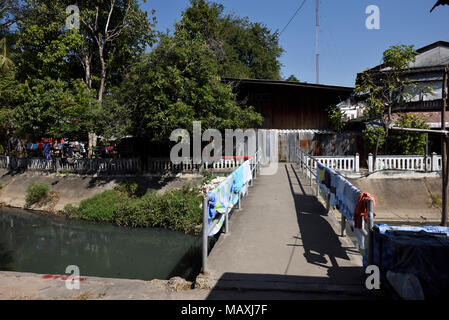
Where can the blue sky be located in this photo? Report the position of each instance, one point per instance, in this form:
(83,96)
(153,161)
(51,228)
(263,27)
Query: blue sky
(346,46)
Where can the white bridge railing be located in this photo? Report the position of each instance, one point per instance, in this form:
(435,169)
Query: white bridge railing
(255,164)
(157,165)
(432,163)
(345,163)
(131,165)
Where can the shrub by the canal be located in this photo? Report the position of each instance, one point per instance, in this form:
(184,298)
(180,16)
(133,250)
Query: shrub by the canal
(36,192)
(98,208)
(178,210)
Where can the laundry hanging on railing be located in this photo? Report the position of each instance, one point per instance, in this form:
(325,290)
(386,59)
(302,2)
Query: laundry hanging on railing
(237,185)
(349,200)
(220,199)
(361,217)
(247,177)
(343,195)
(226,194)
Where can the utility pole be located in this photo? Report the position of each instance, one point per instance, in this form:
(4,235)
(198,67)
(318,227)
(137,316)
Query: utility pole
(317,42)
(444,143)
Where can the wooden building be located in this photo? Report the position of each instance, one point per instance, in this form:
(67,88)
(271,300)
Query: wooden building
(289,105)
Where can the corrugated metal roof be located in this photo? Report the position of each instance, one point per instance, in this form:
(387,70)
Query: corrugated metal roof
(309,131)
(292,84)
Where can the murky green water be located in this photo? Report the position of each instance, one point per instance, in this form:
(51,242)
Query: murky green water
(47,244)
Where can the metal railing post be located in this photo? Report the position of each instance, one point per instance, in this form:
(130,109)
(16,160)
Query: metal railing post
(434,162)
(240,201)
(205,233)
(370,206)
(310,169)
(343,226)
(303,167)
(370,163)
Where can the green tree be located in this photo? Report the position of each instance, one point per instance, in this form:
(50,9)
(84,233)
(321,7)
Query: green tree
(113,35)
(9,97)
(54,108)
(409,143)
(45,44)
(388,86)
(176,84)
(336,116)
(243,49)
(374,138)
(292,78)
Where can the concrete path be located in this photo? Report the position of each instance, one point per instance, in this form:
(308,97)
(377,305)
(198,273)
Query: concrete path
(284,240)
(31,286)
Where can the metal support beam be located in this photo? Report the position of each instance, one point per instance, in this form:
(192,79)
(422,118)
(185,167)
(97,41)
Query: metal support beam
(343,226)
(446,132)
(370,206)
(205,233)
(226,230)
(444,144)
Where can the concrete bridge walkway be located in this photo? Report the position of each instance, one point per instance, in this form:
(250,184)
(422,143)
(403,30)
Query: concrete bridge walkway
(283,240)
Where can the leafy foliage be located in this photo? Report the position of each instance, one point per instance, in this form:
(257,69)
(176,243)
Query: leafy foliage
(177,210)
(292,78)
(36,192)
(54,108)
(409,143)
(176,84)
(374,138)
(59,72)
(335,116)
(399,142)
(388,87)
(243,49)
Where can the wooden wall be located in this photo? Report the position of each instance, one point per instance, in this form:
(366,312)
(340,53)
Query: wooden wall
(291,107)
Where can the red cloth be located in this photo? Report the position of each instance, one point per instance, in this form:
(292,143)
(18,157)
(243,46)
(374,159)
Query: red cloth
(361,209)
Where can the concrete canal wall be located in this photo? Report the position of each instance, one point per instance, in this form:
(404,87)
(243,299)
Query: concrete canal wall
(75,188)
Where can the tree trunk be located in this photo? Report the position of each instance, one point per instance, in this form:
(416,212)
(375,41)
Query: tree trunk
(103,76)
(88,76)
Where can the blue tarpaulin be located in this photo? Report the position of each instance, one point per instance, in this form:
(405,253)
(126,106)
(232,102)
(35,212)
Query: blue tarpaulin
(420,251)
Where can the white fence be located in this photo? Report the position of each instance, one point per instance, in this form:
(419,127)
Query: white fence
(407,163)
(81,166)
(158,165)
(347,163)
(432,163)
(111,166)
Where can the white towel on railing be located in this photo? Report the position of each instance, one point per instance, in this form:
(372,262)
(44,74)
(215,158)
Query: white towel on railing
(247,174)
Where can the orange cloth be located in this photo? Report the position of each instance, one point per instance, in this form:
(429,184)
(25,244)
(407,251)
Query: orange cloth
(361,209)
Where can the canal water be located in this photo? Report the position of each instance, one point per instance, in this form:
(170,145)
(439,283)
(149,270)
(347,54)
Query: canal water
(47,244)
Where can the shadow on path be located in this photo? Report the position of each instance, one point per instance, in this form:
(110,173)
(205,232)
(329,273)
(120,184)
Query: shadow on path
(318,238)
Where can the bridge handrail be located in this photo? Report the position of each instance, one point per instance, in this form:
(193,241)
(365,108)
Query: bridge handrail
(254,163)
(302,160)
